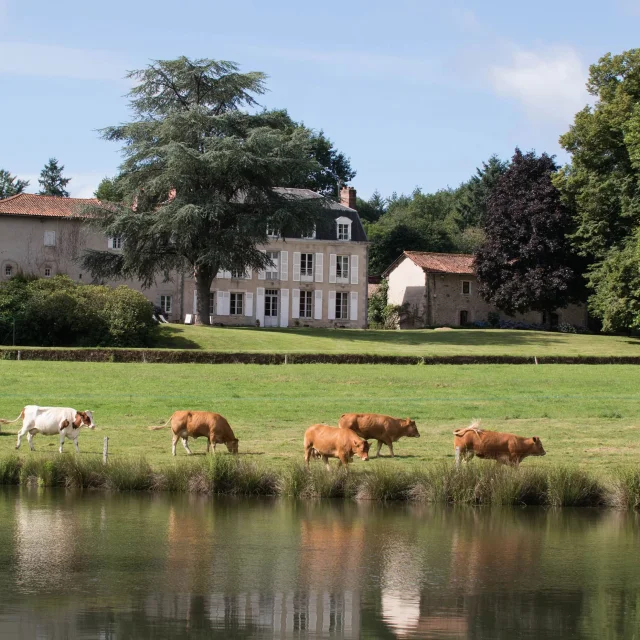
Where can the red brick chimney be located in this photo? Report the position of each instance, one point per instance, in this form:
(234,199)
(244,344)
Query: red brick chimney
(348,197)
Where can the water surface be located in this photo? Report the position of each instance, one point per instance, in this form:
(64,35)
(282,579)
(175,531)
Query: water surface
(89,565)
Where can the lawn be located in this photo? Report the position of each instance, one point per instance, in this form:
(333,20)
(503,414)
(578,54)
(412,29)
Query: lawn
(419,342)
(587,415)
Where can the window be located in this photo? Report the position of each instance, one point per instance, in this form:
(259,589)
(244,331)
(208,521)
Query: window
(236,305)
(466,287)
(115,243)
(272,232)
(342,305)
(342,268)
(306,298)
(49,238)
(343,228)
(212,297)
(272,271)
(8,270)
(306,265)
(166,303)
(238,274)
(47,272)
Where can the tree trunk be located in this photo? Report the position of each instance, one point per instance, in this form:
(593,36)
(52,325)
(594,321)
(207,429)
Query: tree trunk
(203,279)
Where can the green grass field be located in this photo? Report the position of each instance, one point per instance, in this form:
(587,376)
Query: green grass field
(422,342)
(585,415)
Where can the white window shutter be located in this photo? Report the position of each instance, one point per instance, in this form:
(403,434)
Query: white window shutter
(220,304)
(284,307)
(109,243)
(353,308)
(284,266)
(248,274)
(354,269)
(296,266)
(331,311)
(248,304)
(317,314)
(295,302)
(260,305)
(319,266)
(332,268)
(262,274)
(227,303)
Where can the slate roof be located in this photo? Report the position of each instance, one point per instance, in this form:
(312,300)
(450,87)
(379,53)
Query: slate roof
(460,263)
(30,204)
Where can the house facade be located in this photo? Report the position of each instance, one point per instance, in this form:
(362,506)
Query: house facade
(441,289)
(319,281)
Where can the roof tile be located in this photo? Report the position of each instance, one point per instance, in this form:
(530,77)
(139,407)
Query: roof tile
(443,262)
(30,204)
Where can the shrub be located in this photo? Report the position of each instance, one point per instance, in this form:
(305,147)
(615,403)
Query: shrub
(565,327)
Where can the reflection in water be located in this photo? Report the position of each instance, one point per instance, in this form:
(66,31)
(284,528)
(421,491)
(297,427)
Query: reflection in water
(96,565)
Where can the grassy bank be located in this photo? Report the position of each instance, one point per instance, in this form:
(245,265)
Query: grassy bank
(480,484)
(422,342)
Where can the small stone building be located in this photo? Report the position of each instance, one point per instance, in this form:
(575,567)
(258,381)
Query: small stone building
(441,289)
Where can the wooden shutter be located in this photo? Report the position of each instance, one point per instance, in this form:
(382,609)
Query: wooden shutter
(227,303)
(317,312)
(109,243)
(220,303)
(295,303)
(260,305)
(353,307)
(354,268)
(332,268)
(284,307)
(319,266)
(284,267)
(331,311)
(248,304)
(296,266)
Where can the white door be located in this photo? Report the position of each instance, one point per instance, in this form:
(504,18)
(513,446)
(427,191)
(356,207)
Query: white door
(271,308)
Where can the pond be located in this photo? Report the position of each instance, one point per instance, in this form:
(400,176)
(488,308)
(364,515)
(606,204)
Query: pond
(88,565)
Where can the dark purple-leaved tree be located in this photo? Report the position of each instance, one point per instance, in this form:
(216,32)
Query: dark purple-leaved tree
(526,262)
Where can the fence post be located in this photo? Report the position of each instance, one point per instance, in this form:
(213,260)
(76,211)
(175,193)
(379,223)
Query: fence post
(105,450)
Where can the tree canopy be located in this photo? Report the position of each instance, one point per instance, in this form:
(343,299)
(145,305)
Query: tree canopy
(200,176)
(526,261)
(52,182)
(11,185)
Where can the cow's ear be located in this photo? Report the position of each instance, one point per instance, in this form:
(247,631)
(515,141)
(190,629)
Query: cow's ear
(536,439)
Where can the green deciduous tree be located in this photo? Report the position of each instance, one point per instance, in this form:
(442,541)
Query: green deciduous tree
(109,191)
(51,181)
(201,175)
(11,185)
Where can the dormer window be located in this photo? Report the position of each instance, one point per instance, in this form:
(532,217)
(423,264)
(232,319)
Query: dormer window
(343,228)
(272,232)
(311,235)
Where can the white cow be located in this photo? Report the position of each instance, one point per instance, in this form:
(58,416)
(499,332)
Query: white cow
(51,421)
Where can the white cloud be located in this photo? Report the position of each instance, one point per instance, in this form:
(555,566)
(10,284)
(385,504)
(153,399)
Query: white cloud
(549,84)
(21,58)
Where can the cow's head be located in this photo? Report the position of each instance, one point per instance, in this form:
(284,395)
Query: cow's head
(360,448)
(411,431)
(232,445)
(536,447)
(84,418)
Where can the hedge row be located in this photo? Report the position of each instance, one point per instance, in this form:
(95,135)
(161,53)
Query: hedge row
(214,357)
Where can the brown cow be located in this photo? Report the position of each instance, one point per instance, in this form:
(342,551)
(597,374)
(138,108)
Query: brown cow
(384,429)
(330,442)
(193,424)
(505,448)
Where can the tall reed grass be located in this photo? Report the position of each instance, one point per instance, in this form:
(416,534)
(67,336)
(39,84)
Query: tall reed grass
(472,484)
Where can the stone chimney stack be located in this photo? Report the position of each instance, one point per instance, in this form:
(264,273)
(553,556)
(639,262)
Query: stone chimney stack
(348,197)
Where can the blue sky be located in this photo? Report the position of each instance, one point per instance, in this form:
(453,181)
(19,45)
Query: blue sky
(416,93)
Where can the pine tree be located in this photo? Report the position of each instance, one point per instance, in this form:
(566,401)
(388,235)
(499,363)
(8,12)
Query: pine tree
(11,185)
(51,181)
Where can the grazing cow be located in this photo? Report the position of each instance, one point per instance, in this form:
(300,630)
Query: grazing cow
(384,429)
(329,442)
(193,424)
(50,421)
(504,448)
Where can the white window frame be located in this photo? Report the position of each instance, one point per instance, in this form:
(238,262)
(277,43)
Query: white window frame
(166,304)
(272,232)
(239,298)
(115,243)
(340,260)
(306,304)
(48,272)
(462,291)
(307,271)
(343,228)
(274,270)
(342,305)
(238,274)
(8,270)
(49,238)
(212,303)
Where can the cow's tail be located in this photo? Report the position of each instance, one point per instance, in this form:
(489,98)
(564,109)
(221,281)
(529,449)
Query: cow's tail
(21,416)
(161,426)
(474,426)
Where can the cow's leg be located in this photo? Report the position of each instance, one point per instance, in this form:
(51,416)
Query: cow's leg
(30,439)
(307,455)
(390,445)
(174,442)
(325,459)
(208,444)
(214,446)
(62,436)
(457,456)
(185,444)
(20,436)
(75,441)
(379,447)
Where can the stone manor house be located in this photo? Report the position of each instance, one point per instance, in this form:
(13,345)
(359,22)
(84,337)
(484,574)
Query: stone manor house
(319,281)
